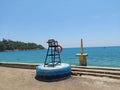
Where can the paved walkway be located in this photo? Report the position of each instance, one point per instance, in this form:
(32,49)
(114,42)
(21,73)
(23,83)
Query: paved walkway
(24,79)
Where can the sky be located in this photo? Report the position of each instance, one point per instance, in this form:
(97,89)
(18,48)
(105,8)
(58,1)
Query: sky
(97,22)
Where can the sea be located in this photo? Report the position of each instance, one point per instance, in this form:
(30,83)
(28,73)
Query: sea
(97,56)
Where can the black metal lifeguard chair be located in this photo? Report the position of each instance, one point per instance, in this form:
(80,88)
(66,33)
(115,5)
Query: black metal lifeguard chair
(53,53)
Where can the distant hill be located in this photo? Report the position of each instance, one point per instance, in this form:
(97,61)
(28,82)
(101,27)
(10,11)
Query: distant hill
(18,45)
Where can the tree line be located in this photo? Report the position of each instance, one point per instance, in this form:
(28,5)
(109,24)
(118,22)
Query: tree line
(17,45)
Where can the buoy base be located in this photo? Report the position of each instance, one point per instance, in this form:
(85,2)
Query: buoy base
(48,73)
(52,78)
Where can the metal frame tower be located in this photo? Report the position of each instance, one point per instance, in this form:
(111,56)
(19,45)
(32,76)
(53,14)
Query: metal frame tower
(53,54)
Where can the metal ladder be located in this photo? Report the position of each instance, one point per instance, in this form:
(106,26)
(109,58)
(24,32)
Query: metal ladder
(52,55)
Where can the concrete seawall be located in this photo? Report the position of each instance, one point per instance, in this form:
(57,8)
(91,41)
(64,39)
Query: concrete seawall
(76,70)
(19,65)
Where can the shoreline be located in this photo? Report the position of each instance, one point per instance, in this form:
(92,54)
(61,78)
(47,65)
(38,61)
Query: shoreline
(76,70)
(21,50)
(27,65)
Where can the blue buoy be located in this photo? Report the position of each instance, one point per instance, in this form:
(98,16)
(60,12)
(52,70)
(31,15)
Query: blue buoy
(53,69)
(48,73)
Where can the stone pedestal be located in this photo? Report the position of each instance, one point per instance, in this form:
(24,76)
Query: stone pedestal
(82,58)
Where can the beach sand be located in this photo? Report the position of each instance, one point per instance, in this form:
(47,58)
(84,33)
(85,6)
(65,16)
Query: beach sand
(24,79)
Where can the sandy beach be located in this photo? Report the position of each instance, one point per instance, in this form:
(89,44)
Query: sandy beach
(24,79)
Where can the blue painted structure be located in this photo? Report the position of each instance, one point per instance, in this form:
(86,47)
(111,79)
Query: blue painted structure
(58,70)
(53,70)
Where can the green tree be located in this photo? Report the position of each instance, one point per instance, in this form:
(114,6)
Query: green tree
(2,46)
(13,45)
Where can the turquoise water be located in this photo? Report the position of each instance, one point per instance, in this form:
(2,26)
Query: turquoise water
(97,56)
